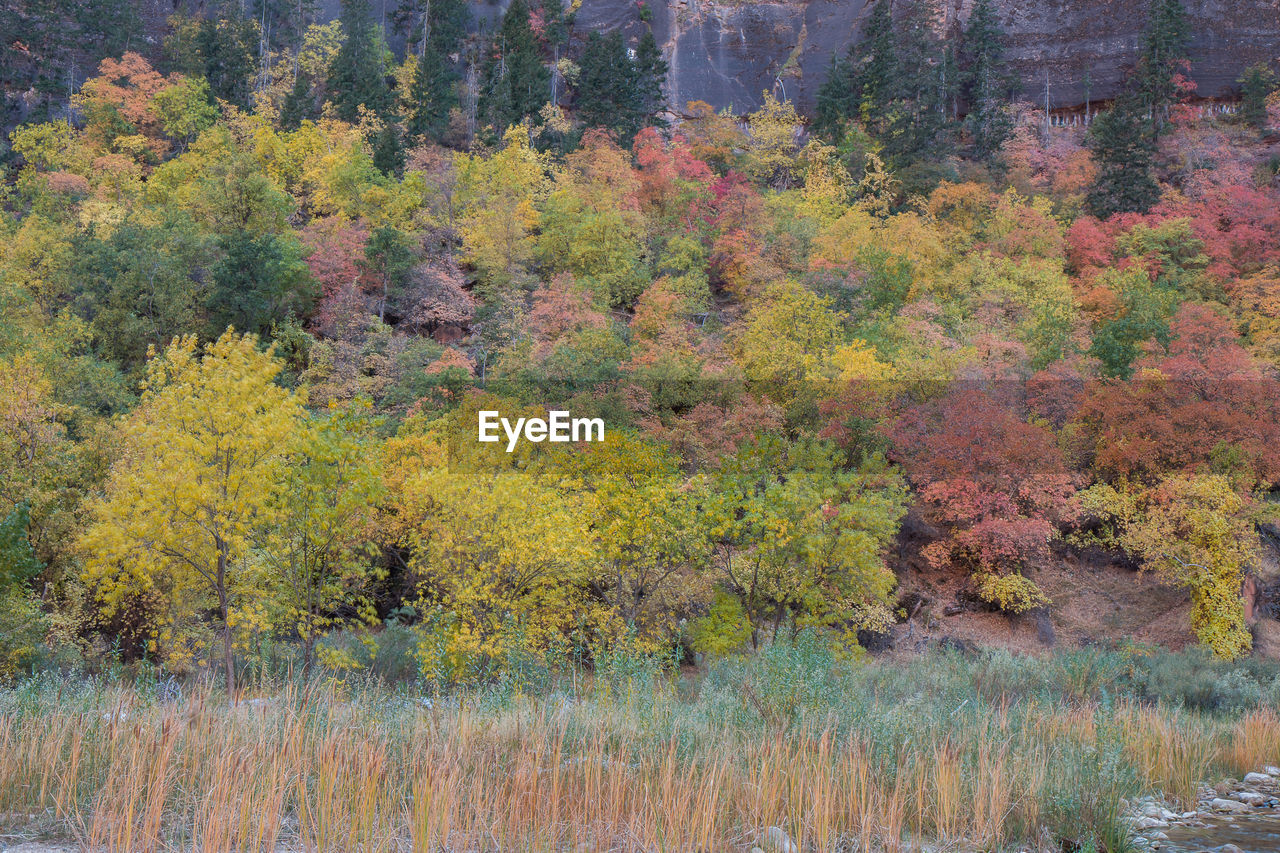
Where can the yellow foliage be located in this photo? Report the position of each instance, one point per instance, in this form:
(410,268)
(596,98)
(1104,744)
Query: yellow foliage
(200,458)
(907,235)
(825,195)
(1194,530)
(788,334)
(499,549)
(1012,593)
(498,198)
(771,142)
(856,361)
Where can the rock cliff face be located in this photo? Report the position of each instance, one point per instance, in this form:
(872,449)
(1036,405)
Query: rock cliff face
(726,52)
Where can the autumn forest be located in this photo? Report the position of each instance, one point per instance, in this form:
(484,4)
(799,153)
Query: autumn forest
(910,352)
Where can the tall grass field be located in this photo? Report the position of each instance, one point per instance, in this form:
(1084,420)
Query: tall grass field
(943,752)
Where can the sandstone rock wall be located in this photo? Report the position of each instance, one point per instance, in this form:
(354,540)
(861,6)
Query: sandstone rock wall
(727,53)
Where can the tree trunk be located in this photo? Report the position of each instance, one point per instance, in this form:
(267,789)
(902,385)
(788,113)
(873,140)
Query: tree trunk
(228,659)
(308,650)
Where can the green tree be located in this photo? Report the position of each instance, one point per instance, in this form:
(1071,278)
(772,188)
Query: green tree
(1143,315)
(801,540)
(516,82)
(139,284)
(921,87)
(299,104)
(260,280)
(875,76)
(651,73)
(315,555)
(1123,144)
(1256,83)
(432,92)
(388,150)
(224,52)
(356,76)
(431,96)
(987,81)
(608,95)
(184,109)
(18,562)
(1164,57)
(838,99)
(388,257)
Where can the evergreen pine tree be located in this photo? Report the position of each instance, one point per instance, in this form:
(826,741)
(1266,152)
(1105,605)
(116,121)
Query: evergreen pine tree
(1164,55)
(608,95)
(298,105)
(919,89)
(516,82)
(226,51)
(1257,82)
(651,74)
(431,96)
(875,75)
(1123,144)
(18,563)
(986,83)
(388,151)
(432,93)
(838,99)
(356,75)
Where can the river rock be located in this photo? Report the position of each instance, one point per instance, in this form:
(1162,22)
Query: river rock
(1249,798)
(1229,848)
(1258,779)
(1218,804)
(1149,823)
(776,840)
(1271,771)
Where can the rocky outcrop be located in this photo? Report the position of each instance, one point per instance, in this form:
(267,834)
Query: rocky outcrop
(728,53)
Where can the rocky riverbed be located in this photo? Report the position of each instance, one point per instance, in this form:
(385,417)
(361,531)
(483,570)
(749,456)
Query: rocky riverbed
(1235,816)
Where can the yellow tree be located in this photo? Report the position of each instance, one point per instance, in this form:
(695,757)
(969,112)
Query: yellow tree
(1196,531)
(498,197)
(200,460)
(771,146)
(649,538)
(499,548)
(799,537)
(314,553)
(787,334)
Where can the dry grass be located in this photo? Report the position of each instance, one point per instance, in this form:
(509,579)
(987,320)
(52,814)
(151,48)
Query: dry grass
(1173,755)
(325,770)
(987,753)
(1254,742)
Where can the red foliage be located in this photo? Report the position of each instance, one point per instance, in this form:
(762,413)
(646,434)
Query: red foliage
(560,309)
(438,302)
(1089,247)
(1238,220)
(127,85)
(709,431)
(336,251)
(997,482)
(1187,403)
(674,184)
